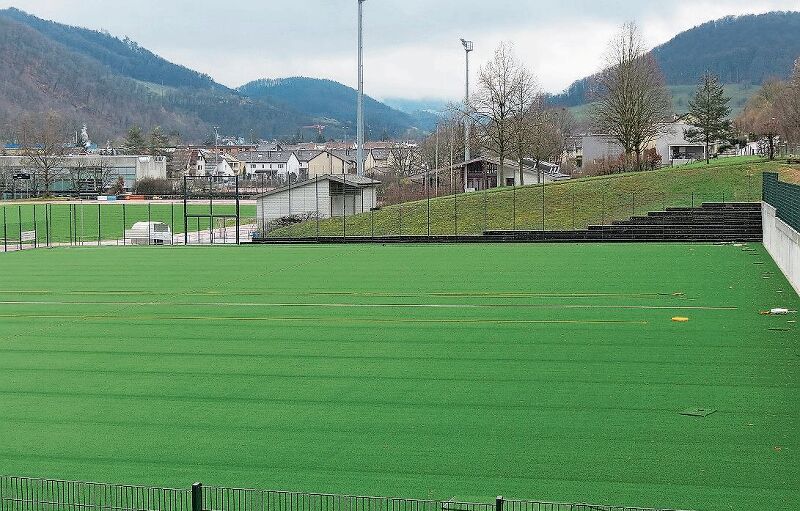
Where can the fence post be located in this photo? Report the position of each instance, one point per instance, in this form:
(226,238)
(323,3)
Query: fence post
(238,215)
(428,191)
(455,213)
(344,205)
(543,210)
(19,218)
(35,229)
(514,207)
(47,224)
(197,497)
(498,503)
(148,224)
(99,223)
(573,211)
(69,214)
(5,231)
(185,214)
(124,223)
(486,207)
(604,208)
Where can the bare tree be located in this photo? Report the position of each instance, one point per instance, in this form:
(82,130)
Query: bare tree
(494,105)
(788,108)
(525,120)
(553,127)
(42,139)
(632,99)
(760,118)
(404,160)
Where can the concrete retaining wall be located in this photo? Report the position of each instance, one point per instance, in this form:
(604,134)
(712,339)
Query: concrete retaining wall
(783,244)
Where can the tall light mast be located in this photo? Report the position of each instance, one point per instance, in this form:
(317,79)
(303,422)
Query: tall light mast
(360,108)
(468,47)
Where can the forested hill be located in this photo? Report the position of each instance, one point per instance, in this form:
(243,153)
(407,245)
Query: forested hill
(110,84)
(121,56)
(740,50)
(331,102)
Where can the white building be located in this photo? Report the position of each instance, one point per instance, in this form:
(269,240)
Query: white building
(271,163)
(97,172)
(326,196)
(673,147)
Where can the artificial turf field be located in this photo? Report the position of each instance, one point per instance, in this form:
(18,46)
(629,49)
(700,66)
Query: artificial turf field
(549,372)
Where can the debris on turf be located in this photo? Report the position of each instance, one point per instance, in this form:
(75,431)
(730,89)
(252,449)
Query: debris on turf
(779,311)
(680,319)
(698,412)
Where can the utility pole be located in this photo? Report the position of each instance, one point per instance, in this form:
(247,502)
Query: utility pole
(468,47)
(360,108)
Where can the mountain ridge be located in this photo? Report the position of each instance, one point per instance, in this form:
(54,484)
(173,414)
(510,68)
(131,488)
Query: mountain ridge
(93,77)
(741,50)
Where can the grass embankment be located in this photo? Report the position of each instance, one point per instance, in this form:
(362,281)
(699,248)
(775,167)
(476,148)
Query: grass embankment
(550,372)
(80,221)
(567,205)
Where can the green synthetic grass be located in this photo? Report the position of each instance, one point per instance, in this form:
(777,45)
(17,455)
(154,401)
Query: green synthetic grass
(569,205)
(549,372)
(111,218)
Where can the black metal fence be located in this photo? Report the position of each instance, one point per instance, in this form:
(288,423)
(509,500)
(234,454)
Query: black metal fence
(31,494)
(85,223)
(785,197)
(313,210)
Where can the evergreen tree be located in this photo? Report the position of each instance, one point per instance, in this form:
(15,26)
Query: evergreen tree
(135,142)
(709,110)
(158,142)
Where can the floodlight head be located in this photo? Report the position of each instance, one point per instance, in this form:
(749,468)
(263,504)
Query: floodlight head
(467,44)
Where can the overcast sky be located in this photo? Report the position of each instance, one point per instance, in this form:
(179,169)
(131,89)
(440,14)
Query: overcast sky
(412,46)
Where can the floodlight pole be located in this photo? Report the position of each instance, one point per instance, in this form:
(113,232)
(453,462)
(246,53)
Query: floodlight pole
(468,47)
(360,106)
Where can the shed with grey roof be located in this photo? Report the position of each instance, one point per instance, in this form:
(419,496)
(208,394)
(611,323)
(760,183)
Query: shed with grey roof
(324,197)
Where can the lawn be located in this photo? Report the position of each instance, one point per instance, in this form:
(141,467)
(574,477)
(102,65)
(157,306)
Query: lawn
(568,205)
(551,372)
(112,218)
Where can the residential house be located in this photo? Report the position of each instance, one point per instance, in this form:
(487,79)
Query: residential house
(481,173)
(673,148)
(378,161)
(335,162)
(272,164)
(304,157)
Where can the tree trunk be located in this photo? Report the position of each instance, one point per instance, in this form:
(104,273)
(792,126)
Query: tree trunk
(771,147)
(521,176)
(501,170)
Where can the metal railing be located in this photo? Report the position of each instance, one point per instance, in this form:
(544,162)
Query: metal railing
(33,494)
